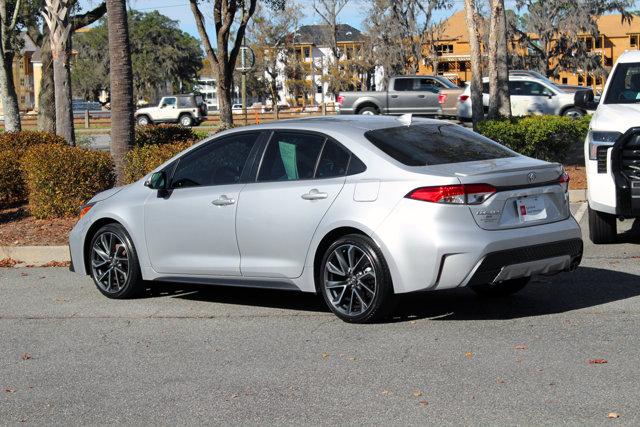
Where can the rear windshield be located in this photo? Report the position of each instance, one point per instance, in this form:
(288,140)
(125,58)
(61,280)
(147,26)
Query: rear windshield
(435,144)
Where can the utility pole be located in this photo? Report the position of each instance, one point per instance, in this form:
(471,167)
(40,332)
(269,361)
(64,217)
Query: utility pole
(244,79)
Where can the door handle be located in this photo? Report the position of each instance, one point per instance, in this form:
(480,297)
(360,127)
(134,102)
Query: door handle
(223,201)
(420,96)
(394,96)
(314,195)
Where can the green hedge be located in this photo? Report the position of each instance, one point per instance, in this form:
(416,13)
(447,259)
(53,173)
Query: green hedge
(12,148)
(164,134)
(543,137)
(141,160)
(60,178)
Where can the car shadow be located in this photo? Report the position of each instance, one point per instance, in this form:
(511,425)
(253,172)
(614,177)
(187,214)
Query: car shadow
(586,287)
(632,235)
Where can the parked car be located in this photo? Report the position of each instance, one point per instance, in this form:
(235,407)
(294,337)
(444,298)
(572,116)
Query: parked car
(540,76)
(358,209)
(448,100)
(529,95)
(612,149)
(188,110)
(405,94)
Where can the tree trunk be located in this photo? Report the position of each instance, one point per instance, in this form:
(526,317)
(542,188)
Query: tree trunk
(494,99)
(8,95)
(63,103)
(504,108)
(224,89)
(46,101)
(477,109)
(121,82)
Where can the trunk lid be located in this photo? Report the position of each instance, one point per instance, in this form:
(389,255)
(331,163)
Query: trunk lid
(528,191)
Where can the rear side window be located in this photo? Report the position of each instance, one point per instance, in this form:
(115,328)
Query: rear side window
(334,161)
(435,144)
(402,85)
(290,156)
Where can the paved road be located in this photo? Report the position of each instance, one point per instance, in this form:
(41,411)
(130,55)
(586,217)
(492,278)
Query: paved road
(229,356)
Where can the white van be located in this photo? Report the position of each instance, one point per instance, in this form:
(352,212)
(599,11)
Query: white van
(612,149)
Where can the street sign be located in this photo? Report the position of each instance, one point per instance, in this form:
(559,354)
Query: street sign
(247,59)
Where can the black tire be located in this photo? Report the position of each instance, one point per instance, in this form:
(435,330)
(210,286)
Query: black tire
(186,120)
(502,289)
(573,112)
(602,227)
(143,120)
(368,111)
(383,300)
(133,284)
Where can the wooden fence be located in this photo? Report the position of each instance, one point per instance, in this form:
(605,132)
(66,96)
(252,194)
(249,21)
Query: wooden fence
(102,120)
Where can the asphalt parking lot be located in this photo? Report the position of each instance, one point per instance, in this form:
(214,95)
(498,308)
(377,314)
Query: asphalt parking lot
(236,356)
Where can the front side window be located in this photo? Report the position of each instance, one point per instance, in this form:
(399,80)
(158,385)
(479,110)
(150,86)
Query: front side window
(220,162)
(435,144)
(169,102)
(426,85)
(625,84)
(290,156)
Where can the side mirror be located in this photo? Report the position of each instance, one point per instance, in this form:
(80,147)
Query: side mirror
(585,99)
(158,181)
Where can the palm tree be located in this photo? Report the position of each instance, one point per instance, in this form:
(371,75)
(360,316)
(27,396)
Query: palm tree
(121,84)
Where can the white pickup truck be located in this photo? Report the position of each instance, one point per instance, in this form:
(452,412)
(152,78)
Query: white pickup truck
(188,110)
(612,149)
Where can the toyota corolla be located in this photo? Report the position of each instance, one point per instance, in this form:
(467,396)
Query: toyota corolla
(358,209)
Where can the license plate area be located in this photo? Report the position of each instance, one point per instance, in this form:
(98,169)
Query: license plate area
(531,208)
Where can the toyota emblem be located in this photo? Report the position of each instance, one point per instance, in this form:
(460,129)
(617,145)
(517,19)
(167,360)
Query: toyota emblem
(531,177)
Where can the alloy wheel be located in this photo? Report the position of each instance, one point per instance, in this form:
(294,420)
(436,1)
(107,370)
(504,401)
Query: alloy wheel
(350,280)
(110,265)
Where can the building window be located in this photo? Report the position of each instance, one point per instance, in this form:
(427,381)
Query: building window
(589,81)
(588,42)
(307,52)
(633,40)
(462,66)
(598,80)
(599,42)
(444,48)
(580,80)
(608,62)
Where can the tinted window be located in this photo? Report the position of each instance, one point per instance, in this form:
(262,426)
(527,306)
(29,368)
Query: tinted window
(218,163)
(625,85)
(426,85)
(422,145)
(333,161)
(290,156)
(403,84)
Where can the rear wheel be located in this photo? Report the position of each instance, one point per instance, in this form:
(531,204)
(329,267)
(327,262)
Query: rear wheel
(574,113)
(355,281)
(186,120)
(368,111)
(602,227)
(502,289)
(114,263)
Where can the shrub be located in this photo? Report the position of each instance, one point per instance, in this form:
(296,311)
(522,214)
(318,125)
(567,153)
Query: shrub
(12,147)
(163,134)
(141,160)
(60,178)
(543,137)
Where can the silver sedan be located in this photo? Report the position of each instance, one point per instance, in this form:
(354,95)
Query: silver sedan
(357,209)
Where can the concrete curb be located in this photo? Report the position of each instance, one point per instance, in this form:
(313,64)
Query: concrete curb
(35,255)
(577,196)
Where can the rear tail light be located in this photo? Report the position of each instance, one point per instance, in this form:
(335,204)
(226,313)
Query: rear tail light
(564,181)
(463,194)
(340,99)
(442,98)
(463,98)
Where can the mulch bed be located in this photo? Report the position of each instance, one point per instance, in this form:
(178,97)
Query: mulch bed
(17,228)
(578,177)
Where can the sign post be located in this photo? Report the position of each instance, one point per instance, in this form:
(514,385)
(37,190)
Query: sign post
(247,62)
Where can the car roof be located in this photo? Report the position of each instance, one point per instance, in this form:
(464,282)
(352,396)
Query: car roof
(629,56)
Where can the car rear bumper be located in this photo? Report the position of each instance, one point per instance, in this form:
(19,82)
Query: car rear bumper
(526,261)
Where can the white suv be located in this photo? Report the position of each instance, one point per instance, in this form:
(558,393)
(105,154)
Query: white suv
(612,149)
(529,95)
(188,110)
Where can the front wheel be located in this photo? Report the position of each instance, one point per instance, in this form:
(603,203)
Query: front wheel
(354,280)
(502,289)
(114,263)
(143,120)
(186,120)
(573,113)
(368,111)
(602,227)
